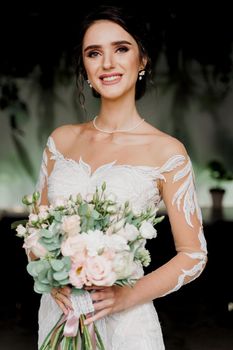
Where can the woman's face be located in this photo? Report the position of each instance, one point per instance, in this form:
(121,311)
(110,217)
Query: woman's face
(111,59)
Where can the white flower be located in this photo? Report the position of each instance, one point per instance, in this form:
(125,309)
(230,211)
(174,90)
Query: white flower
(129,232)
(43,215)
(95,242)
(116,243)
(33,219)
(138,271)
(123,265)
(110,197)
(112,209)
(144,256)
(118,225)
(71,224)
(59,202)
(147,230)
(21,231)
(32,244)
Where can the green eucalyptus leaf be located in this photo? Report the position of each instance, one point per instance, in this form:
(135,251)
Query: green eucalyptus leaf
(67,262)
(46,233)
(41,288)
(56,264)
(50,276)
(61,275)
(42,276)
(95,214)
(64,282)
(35,267)
(77,291)
(57,216)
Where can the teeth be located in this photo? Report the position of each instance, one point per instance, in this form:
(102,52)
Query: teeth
(113,77)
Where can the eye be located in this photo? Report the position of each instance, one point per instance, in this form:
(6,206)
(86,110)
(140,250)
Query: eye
(122,49)
(92,54)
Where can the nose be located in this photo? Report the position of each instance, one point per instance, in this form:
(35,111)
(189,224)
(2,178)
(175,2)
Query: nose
(108,61)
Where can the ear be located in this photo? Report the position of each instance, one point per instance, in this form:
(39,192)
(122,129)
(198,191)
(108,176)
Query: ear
(143,63)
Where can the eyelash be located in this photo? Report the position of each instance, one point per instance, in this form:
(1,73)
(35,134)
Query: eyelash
(121,49)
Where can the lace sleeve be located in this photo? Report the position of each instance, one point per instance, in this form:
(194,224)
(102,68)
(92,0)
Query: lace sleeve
(180,198)
(45,169)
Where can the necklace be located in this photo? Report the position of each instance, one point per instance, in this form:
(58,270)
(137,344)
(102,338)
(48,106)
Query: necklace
(116,130)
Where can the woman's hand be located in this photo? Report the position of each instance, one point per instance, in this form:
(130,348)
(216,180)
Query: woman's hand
(61,296)
(108,300)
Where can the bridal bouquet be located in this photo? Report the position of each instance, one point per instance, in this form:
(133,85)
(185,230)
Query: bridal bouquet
(78,242)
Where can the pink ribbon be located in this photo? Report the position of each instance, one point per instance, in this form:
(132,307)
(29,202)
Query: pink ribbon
(72,324)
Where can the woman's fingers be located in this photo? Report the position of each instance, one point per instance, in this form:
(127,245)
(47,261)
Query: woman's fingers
(65,290)
(95,287)
(61,296)
(97,316)
(103,304)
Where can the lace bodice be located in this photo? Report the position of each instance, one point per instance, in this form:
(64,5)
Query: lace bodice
(138,184)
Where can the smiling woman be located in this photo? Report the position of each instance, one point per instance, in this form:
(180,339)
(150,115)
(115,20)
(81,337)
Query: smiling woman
(130,34)
(139,164)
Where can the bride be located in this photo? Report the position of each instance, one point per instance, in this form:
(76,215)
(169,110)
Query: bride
(139,163)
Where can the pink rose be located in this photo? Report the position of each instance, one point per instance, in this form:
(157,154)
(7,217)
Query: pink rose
(32,244)
(99,271)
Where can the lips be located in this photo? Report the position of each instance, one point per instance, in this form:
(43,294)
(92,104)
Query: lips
(113,77)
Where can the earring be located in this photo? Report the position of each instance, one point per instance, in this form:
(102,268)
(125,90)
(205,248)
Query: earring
(89,83)
(141,74)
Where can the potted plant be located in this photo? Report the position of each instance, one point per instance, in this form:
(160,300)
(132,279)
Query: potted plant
(219,174)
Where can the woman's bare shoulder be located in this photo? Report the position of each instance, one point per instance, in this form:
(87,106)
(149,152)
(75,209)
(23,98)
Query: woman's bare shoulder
(165,146)
(64,135)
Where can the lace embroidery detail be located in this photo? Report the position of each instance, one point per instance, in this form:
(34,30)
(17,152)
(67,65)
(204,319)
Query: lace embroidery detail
(202,240)
(187,191)
(43,175)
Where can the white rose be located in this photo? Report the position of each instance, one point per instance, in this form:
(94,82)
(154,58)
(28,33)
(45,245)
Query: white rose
(138,271)
(117,243)
(123,265)
(32,244)
(71,224)
(147,230)
(130,232)
(21,231)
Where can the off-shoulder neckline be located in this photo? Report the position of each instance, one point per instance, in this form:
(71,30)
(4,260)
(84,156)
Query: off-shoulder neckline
(176,160)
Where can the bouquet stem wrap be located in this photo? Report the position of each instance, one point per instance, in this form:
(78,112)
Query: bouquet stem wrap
(70,333)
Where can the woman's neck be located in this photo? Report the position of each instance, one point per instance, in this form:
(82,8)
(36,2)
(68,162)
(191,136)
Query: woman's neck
(117,114)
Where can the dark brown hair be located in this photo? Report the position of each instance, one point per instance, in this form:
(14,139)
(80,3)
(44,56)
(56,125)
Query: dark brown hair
(134,25)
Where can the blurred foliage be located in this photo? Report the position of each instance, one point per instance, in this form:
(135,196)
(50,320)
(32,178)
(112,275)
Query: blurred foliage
(219,172)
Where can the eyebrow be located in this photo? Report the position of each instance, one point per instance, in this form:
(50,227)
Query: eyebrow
(114,43)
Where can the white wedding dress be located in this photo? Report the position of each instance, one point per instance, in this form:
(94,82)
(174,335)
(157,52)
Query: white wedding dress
(137,327)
